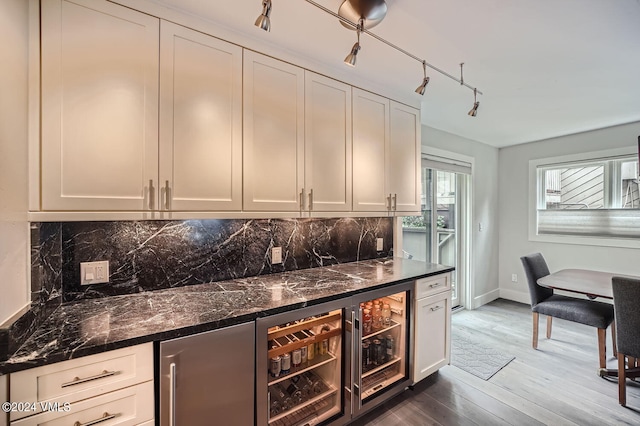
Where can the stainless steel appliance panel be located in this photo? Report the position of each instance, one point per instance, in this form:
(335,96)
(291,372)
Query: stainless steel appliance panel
(208,377)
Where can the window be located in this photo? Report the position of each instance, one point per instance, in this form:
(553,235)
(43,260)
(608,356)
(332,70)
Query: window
(599,197)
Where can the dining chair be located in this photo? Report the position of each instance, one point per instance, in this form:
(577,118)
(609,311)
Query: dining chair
(626,293)
(583,311)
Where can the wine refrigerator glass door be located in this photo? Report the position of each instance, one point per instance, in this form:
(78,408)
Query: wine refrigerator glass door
(381,346)
(299,366)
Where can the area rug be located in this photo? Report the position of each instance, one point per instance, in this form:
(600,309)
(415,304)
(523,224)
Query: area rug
(476,358)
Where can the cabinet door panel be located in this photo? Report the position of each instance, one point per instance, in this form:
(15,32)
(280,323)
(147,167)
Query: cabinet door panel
(370,143)
(432,334)
(328,143)
(404,157)
(201,121)
(99,106)
(273,134)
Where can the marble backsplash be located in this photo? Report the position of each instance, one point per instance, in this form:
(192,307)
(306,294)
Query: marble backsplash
(154,255)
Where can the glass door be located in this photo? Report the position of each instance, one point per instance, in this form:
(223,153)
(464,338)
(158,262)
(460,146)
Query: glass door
(440,235)
(299,367)
(381,346)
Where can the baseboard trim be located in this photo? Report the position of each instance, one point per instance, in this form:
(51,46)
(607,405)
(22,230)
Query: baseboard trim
(483,299)
(516,296)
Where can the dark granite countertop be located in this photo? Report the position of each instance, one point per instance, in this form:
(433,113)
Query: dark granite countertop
(92,326)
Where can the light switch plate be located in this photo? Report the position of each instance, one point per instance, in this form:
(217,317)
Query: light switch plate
(379,244)
(276,255)
(94,272)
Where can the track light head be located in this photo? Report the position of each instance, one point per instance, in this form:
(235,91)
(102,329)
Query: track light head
(353,55)
(474,110)
(423,87)
(263,21)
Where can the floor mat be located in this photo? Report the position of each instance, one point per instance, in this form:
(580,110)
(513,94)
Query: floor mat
(473,357)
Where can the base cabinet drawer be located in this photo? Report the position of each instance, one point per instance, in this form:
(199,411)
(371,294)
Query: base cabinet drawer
(433,285)
(126,407)
(82,378)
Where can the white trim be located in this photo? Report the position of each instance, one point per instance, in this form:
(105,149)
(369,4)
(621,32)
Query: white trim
(485,298)
(448,155)
(533,199)
(516,296)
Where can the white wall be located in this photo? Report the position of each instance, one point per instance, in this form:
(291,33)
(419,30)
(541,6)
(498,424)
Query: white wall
(514,237)
(484,210)
(14,247)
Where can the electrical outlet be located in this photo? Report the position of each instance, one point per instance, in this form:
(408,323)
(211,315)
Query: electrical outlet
(379,244)
(94,272)
(276,255)
(514,278)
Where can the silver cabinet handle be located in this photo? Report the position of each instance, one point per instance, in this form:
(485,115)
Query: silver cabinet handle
(436,308)
(395,202)
(357,388)
(302,200)
(151,195)
(106,416)
(434,285)
(172,394)
(167,195)
(389,202)
(311,199)
(78,380)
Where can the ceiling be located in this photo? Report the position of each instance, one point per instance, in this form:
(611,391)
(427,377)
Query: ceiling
(546,67)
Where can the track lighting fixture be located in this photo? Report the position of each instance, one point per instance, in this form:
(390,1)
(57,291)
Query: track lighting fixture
(361,15)
(263,21)
(476,104)
(421,89)
(353,55)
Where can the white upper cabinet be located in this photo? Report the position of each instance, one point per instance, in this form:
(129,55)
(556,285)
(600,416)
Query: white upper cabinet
(200,121)
(403,176)
(99,106)
(386,155)
(328,164)
(370,145)
(273,129)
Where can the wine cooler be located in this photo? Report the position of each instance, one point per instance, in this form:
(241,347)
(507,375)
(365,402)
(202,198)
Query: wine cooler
(380,353)
(332,362)
(299,366)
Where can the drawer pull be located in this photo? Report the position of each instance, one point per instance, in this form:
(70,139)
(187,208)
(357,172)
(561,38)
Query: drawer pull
(106,416)
(78,380)
(436,308)
(434,285)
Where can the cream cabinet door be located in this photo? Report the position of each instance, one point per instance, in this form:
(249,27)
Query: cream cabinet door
(432,344)
(99,106)
(370,145)
(200,121)
(403,175)
(273,129)
(327,144)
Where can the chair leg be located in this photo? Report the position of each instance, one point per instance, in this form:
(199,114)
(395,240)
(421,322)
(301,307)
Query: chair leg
(602,348)
(622,385)
(536,317)
(549,319)
(613,339)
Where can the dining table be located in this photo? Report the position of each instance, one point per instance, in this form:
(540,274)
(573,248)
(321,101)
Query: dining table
(591,283)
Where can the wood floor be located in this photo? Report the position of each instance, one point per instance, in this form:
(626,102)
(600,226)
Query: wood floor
(554,385)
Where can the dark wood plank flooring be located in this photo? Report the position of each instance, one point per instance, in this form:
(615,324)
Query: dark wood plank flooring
(554,385)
